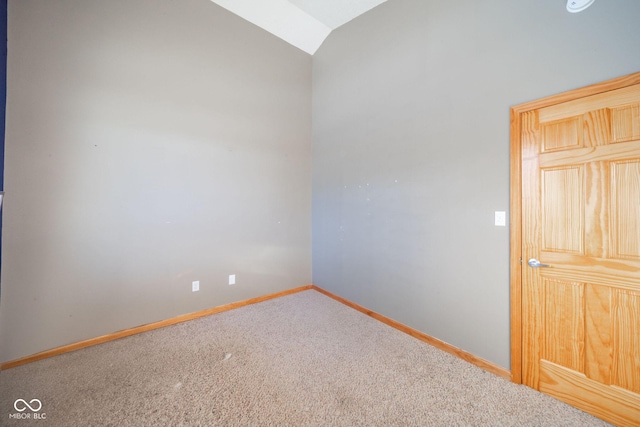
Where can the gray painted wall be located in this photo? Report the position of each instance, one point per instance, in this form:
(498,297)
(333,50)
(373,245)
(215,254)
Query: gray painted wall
(149,143)
(411,149)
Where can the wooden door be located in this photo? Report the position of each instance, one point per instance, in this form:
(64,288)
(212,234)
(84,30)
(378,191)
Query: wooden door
(580,219)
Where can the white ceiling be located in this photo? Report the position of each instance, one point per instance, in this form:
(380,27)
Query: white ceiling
(302,23)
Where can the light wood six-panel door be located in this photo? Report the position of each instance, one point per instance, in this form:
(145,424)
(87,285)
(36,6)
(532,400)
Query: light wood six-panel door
(580,327)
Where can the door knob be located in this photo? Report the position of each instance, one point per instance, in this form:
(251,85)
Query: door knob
(535,263)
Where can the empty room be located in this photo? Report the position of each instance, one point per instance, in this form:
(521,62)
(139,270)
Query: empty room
(320,212)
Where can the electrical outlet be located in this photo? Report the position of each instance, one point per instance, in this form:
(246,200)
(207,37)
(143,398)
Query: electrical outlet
(195,286)
(232,279)
(501,218)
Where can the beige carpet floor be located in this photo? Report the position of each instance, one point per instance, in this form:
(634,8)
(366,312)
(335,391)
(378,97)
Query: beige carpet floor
(299,360)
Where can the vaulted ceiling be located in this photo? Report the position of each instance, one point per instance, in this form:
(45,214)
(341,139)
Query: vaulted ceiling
(302,23)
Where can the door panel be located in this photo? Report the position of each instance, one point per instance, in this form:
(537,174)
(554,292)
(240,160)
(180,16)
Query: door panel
(580,174)
(564,323)
(626,340)
(562,198)
(625,209)
(562,134)
(598,337)
(625,126)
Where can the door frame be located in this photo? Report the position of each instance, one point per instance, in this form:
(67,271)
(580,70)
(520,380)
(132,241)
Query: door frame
(515,230)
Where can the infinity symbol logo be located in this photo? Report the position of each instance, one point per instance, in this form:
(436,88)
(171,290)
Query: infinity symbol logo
(26,405)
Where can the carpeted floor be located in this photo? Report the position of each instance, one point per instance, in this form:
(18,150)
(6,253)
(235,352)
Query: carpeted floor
(299,360)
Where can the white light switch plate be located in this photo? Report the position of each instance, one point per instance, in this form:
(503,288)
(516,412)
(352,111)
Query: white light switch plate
(195,286)
(501,218)
(232,279)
